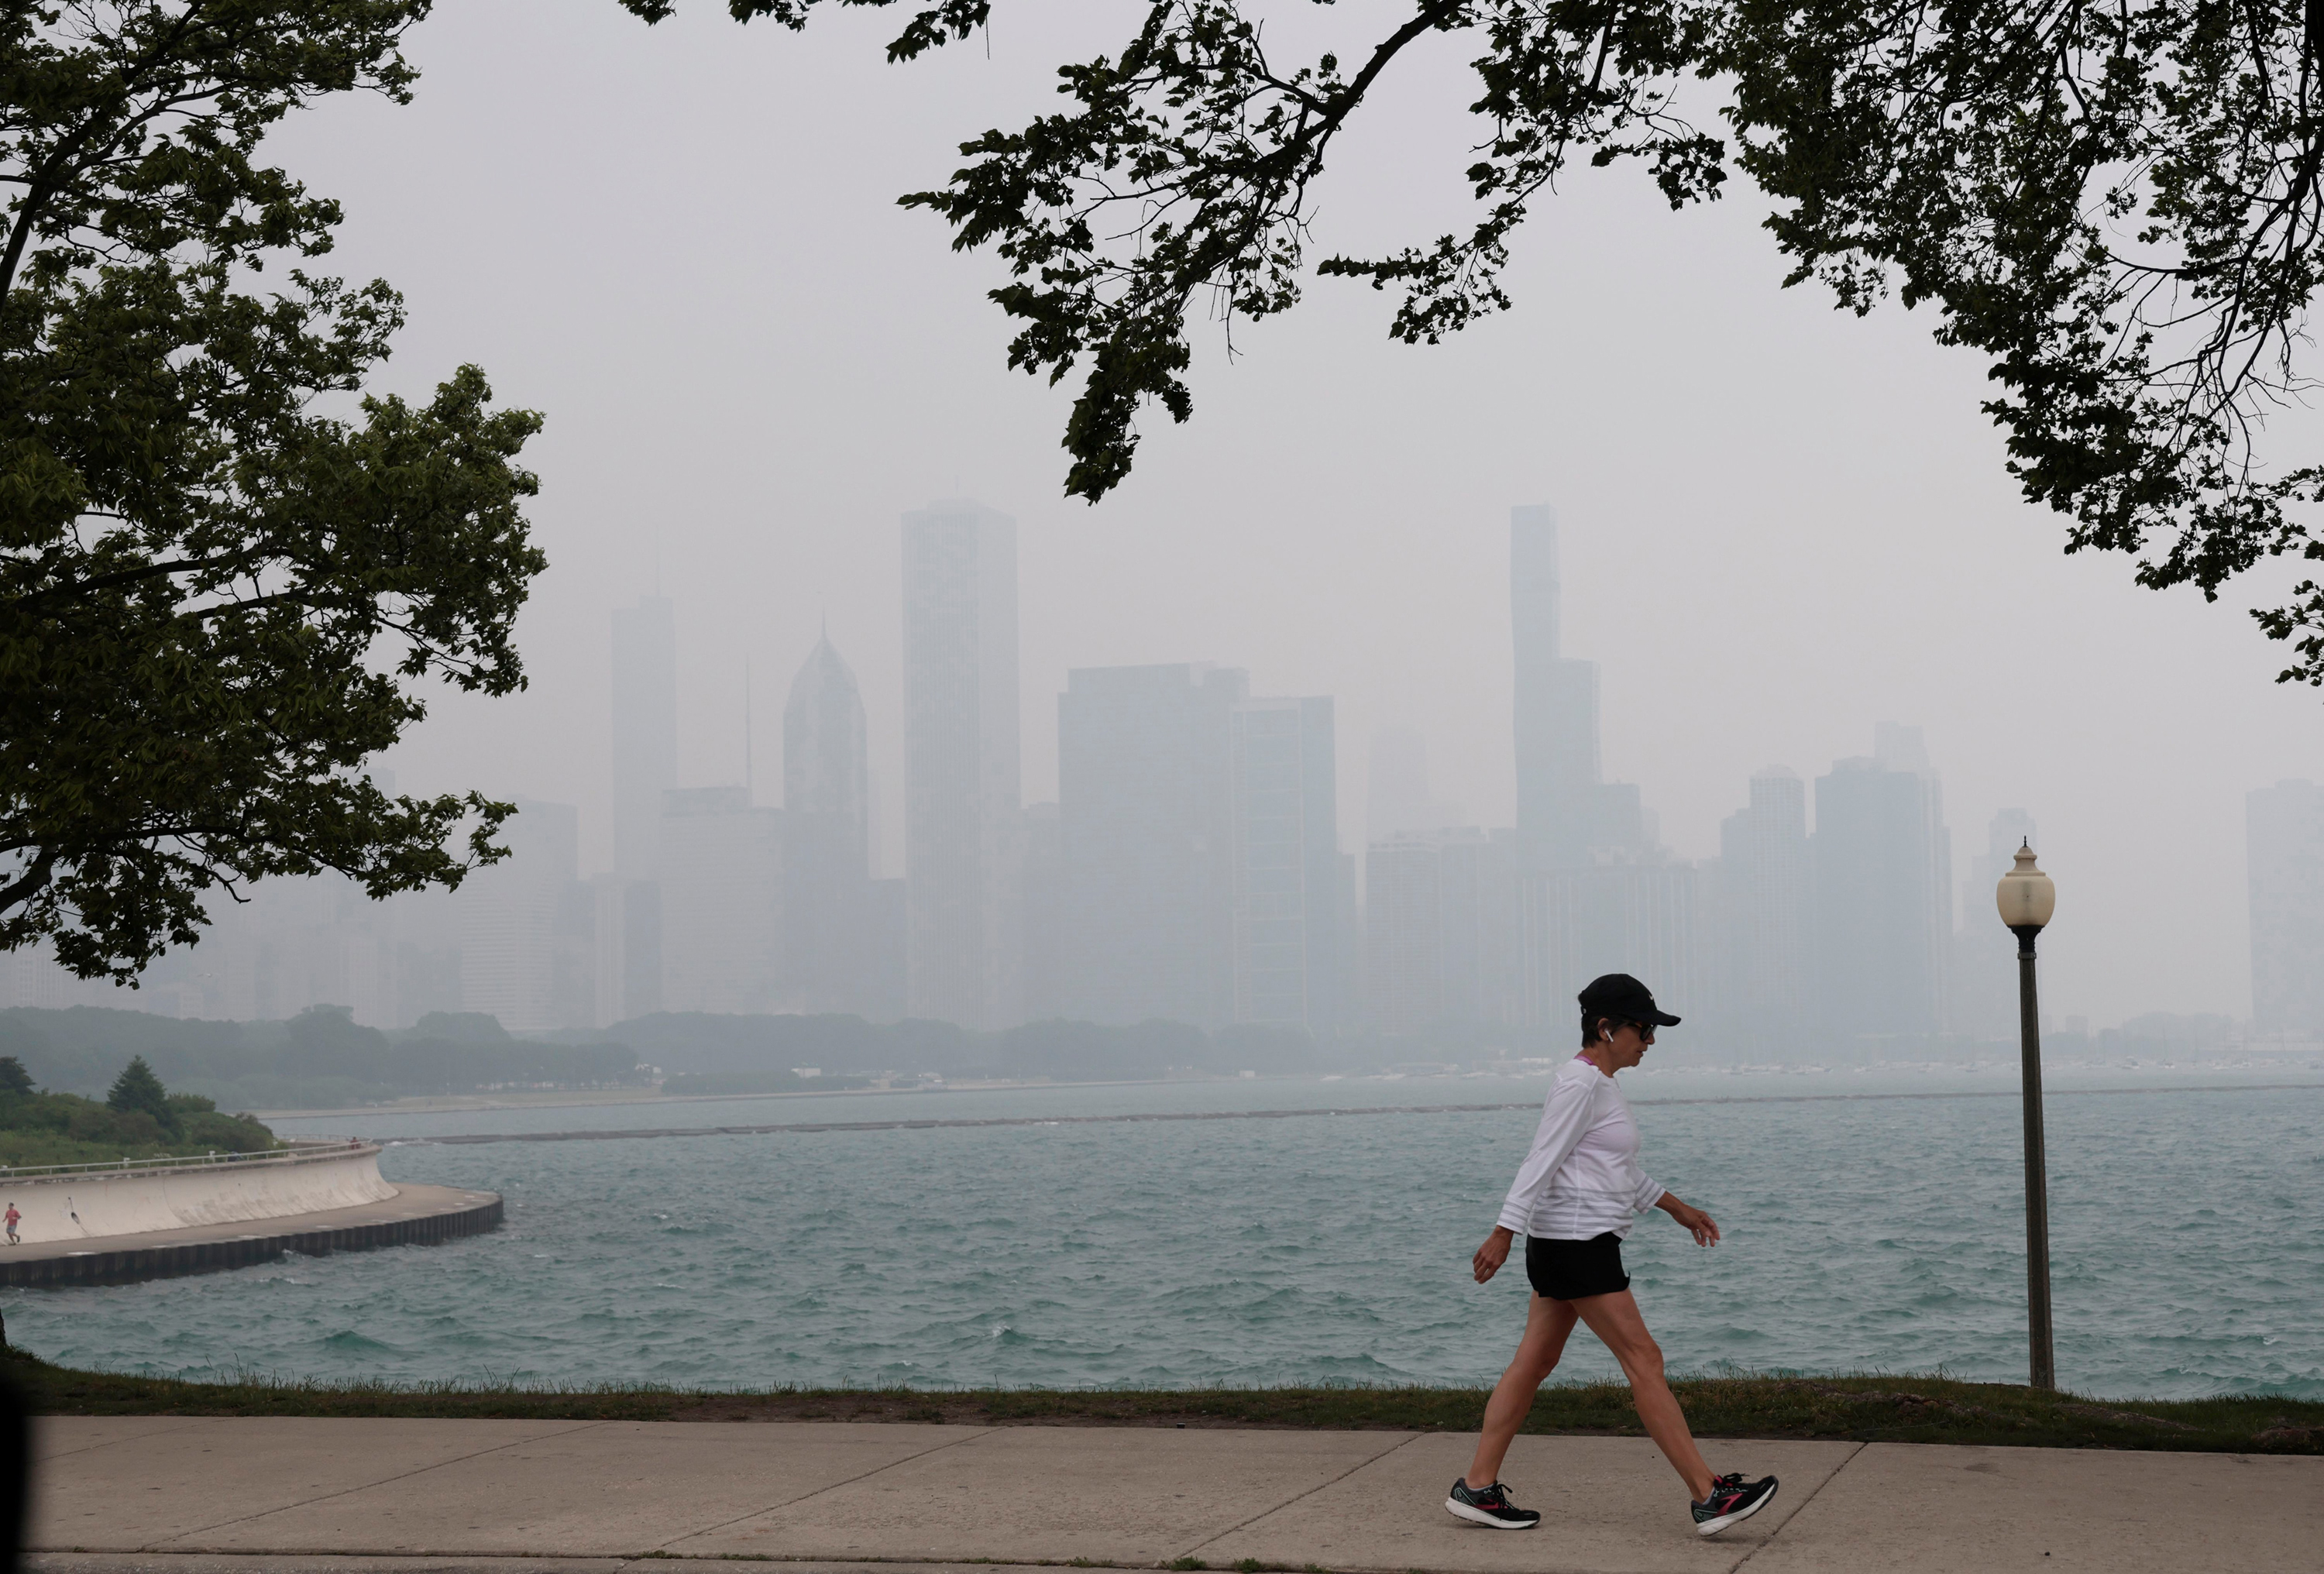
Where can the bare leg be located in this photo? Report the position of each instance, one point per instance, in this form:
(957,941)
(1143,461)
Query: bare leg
(1547,1323)
(1615,1319)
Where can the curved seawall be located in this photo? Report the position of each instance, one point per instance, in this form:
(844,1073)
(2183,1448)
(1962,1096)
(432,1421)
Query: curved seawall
(86,1202)
(419,1216)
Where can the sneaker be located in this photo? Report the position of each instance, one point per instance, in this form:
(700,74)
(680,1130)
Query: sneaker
(1490,1506)
(1732,1500)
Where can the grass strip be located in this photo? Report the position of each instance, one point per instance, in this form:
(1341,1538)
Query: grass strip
(1874,1408)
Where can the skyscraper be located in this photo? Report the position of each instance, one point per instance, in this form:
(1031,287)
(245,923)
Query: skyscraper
(1884,893)
(1556,709)
(645,729)
(1404,934)
(627,941)
(1762,904)
(721,902)
(1639,918)
(1596,894)
(1287,918)
(1147,831)
(2284,833)
(826,854)
(1442,943)
(961,764)
(511,915)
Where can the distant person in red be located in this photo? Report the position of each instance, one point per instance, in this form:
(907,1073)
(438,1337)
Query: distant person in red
(1576,1196)
(10,1219)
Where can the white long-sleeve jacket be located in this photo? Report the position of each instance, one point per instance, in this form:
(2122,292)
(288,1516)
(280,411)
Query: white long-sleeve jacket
(1581,1178)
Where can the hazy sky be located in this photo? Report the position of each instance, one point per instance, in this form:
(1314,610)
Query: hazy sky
(1781,525)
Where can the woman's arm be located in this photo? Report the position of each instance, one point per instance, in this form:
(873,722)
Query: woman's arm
(1704,1228)
(1564,1118)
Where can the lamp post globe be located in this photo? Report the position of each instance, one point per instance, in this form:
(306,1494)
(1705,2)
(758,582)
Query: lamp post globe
(2027,900)
(2025,895)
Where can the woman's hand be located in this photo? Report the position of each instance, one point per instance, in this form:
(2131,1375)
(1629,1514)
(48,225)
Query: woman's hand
(1491,1255)
(1699,1224)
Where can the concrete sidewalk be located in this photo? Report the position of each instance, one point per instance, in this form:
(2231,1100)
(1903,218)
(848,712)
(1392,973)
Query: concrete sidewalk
(220,1495)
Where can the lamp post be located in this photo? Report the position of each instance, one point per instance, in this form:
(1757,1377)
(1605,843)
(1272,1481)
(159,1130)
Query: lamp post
(2027,900)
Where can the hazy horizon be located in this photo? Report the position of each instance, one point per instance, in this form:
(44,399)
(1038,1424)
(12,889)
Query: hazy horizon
(1780,525)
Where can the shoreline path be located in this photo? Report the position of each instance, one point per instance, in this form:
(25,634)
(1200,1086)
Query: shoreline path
(304,1495)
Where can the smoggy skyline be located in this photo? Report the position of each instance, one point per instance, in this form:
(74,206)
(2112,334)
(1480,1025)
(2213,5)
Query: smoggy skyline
(1779,526)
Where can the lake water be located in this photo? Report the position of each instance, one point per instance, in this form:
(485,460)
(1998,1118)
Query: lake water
(1865,1231)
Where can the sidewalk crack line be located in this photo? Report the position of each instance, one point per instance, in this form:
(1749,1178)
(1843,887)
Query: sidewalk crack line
(1303,1496)
(1793,1518)
(836,1486)
(183,1422)
(365,1486)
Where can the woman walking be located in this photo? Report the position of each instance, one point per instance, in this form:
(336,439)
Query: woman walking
(1576,1197)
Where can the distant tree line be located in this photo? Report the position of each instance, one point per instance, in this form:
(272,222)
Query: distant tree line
(323,1057)
(320,1056)
(139,1118)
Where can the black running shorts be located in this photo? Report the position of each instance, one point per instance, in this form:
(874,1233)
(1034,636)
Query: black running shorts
(1572,1270)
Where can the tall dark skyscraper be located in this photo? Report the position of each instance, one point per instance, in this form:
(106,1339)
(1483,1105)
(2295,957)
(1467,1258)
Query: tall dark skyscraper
(826,837)
(1557,713)
(645,730)
(1146,828)
(1596,894)
(961,856)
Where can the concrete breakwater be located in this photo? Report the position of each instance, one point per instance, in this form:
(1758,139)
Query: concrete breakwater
(418,1216)
(81,1202)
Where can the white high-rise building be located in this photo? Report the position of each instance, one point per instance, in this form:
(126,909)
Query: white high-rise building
(962,853)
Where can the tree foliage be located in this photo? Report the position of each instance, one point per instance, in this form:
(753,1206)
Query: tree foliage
(223,569)
(137,1090)
(2117,206)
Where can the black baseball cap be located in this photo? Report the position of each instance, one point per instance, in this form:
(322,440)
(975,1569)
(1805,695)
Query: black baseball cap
(1621,996)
